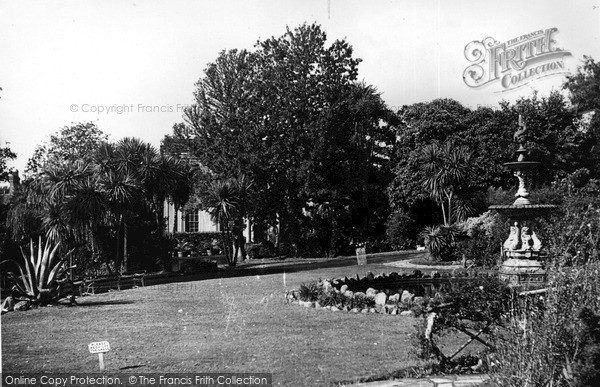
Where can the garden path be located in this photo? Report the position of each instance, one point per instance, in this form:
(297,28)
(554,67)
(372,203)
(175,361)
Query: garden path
(406,264)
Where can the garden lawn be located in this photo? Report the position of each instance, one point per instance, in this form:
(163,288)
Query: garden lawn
(236,323)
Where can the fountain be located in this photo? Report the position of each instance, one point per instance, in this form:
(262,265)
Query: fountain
(523,247)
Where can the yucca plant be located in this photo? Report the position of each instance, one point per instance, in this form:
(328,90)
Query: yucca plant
(309,292)
(435,241)
(38,273)
(441,240)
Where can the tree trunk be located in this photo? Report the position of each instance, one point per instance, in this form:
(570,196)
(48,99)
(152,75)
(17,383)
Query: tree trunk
(176,207)
(289,229)
(443,212)
(231,260)
(449,196)
(118,260)
(125,252)
(335,238)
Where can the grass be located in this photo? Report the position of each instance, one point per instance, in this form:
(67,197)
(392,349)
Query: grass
(236,323)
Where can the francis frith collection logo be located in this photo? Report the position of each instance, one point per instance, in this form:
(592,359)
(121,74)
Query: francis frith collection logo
(516,62)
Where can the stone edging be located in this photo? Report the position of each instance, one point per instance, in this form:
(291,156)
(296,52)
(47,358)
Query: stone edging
(381,309)
(403,303)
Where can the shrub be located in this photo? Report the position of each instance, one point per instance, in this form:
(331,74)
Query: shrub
(485,235)
(313,244)
(441,241)
(586,370)
(264,249)
(332,299)
(470,306)
(400,231)
(201,241)
(38,274)
(309,292)
(287,249)
(573,232)
(547,344)
(381,244)
(360,302)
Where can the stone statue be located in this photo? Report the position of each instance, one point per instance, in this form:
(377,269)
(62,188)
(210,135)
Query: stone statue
(526,241)
(512,243)
(537,244)
(520,134)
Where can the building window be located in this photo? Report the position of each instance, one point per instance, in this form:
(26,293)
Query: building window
(191,222)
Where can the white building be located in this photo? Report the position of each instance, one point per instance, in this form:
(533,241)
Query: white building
(196,221)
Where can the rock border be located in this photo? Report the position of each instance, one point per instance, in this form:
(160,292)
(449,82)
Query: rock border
(402,303)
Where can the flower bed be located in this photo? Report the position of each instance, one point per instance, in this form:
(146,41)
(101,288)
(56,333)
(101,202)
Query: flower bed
(395,294)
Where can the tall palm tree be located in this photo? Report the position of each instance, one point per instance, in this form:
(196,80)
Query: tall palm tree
(88,210)
(446,168)
(23,218)
(60,180)
(62,185)
(66,204)
(223,202)
(120,189)
(137,171)
(244,187)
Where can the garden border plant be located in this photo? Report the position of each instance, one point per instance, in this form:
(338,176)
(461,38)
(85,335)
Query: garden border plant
(39,275)
(375,294)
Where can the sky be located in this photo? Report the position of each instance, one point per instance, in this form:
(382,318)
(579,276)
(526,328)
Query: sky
(63,62)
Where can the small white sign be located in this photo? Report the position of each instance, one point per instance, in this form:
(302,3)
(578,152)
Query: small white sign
(99,347)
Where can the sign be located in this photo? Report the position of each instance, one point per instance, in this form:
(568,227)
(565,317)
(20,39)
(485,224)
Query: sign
(361,255)
(516,62)
(99,347)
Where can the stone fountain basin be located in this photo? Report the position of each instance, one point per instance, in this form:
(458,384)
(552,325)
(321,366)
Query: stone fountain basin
(524,211)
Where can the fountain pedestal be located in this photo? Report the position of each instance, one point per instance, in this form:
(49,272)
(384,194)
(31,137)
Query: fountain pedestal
(523,248)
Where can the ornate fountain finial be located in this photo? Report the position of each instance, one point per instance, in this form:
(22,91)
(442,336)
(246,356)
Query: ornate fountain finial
(520,138)
(520,172)
(520,133)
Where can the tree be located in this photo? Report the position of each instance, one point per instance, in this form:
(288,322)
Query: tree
(136,176)
(69,144)
(5,156)
(420,125)
(552,136)
(97,194)
(6,245)
(291,117)
(302,87)
(228,201)
(584,95)
(223,199)
(244,187)
(121,190)
(584,86)
(446,168)
(553,139)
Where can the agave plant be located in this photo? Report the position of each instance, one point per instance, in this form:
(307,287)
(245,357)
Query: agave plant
(38,274)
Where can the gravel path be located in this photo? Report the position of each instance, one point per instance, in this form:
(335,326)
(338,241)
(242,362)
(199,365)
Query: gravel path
(406,264)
